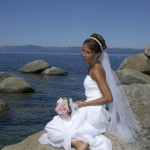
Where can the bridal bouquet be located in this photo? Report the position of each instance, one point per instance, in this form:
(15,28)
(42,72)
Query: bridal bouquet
(65,107)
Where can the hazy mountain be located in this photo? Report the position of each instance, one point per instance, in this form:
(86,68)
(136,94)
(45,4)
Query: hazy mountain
(39,49)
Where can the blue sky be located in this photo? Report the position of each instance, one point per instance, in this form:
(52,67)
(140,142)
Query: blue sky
(123,23)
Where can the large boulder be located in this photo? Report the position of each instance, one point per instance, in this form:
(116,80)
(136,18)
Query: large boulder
(3,107)
(54,71)
(30,143)
(4,75)
(129,76)
(139,98)
(36,66)
(147,51)
(137,62)
(15,85)
(138,95)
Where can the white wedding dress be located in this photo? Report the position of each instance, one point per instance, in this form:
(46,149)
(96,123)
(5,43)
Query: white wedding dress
(87,124)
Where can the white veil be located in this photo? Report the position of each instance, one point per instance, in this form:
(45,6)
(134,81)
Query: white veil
(122,123)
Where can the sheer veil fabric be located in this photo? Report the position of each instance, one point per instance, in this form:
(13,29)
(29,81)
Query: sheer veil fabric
(122,124)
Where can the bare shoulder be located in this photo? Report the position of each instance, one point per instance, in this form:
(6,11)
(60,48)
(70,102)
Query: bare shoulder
(98,73)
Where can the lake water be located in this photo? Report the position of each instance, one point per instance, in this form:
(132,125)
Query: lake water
(29,113)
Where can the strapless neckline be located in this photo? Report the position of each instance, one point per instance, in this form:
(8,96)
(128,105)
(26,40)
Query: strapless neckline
(90,77)
(92,90)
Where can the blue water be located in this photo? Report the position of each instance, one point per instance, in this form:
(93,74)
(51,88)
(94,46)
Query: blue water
(29,113)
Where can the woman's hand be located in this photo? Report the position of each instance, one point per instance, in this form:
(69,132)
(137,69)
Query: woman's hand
(80,104)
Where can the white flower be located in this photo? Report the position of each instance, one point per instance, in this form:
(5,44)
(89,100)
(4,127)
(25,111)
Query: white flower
(59,100)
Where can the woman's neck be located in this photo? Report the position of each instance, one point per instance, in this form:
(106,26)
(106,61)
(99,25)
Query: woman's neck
(92,64)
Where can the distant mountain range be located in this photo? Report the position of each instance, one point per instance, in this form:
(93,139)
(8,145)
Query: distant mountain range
(39,49)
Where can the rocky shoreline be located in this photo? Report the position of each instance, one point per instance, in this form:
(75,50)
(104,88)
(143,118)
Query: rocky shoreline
(13,84)
(134,74)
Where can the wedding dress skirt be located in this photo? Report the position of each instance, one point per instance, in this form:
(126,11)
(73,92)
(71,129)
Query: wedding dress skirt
(87,124)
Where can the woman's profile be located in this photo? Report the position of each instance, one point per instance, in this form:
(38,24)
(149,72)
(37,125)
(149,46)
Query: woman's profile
(105,108)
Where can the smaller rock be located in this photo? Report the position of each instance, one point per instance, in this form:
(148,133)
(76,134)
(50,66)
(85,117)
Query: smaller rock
(15,85)
(36,66)
(4,75)
(55,71)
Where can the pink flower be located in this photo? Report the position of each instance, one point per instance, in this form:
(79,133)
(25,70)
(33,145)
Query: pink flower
(63,108)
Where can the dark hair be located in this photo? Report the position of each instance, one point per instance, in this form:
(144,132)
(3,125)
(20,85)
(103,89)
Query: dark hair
(93,45)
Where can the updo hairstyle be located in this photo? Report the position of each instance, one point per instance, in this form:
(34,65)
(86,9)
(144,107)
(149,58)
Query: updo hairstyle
(93,45)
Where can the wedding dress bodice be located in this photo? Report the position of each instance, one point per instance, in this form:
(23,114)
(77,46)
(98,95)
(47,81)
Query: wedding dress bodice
(92,90)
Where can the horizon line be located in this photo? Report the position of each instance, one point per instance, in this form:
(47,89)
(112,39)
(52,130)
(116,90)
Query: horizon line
(65,46)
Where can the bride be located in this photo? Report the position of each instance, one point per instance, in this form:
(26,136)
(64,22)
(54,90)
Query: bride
(106,107)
